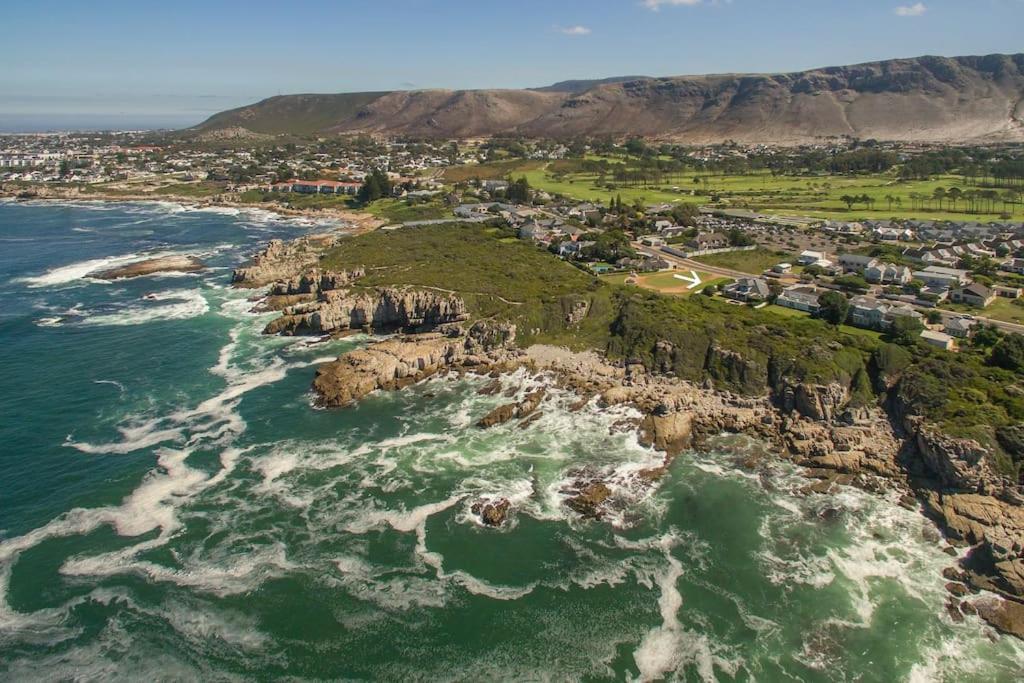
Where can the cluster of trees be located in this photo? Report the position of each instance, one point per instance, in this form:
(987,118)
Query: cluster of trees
(376,186)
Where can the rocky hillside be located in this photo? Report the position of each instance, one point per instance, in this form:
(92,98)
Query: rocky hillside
(922,99)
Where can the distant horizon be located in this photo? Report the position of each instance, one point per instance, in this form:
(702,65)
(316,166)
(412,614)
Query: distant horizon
(215,56)
(189,111)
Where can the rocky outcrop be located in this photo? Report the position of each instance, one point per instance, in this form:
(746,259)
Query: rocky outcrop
(282,261)
(524,409)
(395,363)
(153,266)
(382,309)
(315,280)
(493,513)
(1007,617)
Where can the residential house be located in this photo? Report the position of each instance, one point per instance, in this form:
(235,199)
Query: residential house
(939,276)
(709,240)
(888,274)
(894,233)
(973,295)
(1007,292)
(808,257)
(938,339)
(800,299)
(868,313)
(747,289)
(961,328)
(856,263)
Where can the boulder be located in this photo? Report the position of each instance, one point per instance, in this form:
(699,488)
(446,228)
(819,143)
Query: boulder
(492,513)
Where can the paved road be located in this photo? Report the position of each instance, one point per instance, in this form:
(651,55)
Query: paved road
(689,264)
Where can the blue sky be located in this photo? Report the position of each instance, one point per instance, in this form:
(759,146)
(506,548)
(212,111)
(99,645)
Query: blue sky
(178,61)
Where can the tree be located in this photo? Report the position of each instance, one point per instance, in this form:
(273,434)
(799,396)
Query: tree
(1009,353)
(519,191)
(685,214)
(939,194)
(849,200)
(833,308)
(934,317)
(376,186)
(905,330)
(852,283)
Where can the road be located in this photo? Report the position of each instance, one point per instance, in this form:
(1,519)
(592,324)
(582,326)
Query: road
(689,264)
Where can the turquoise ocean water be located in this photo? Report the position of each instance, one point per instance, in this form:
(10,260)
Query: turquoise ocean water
(172,507)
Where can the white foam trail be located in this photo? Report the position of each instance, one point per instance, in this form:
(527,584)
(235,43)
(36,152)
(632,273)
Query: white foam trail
(76,271)
(185,303)
(111,382)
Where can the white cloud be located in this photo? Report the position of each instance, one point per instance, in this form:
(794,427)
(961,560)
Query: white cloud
(915,10)
(655,5)
(575,31)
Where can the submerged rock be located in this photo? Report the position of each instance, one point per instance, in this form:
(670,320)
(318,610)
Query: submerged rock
(153,266)
(590,500)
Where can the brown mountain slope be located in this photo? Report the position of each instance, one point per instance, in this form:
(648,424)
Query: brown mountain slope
(923,99)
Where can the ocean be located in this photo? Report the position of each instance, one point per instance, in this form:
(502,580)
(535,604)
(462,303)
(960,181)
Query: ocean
(173,507)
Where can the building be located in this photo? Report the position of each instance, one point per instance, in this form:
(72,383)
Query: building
(961,328)
(808,257)
(973,295)
(747,289)
(938,339)
(800,299)
(868,313)
(1007,292)
(856,262)
(888,274)
(939,276)
(709,240)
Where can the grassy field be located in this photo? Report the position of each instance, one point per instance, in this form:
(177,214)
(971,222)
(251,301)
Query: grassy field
(666,282)
(498,277)
(200,189)
(817,196)
(756,261)
(1002,308)
(400,211)
(784,312)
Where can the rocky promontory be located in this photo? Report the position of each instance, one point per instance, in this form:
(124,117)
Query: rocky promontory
(283,261)
(153,266)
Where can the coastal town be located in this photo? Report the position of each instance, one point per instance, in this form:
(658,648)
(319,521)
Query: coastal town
(942,279)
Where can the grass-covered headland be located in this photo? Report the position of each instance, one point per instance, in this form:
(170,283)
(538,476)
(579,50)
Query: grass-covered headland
(739,348)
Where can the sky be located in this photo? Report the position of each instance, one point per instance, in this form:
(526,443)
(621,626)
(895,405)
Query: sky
(113,63)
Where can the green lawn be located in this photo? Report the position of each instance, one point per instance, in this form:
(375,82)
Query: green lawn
(1001,309)
(754,262)
(845,329)
(200,189)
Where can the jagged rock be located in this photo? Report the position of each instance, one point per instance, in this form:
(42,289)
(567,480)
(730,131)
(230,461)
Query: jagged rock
(315,281)
(511,411)
(492,513)
(671,433)
(957,589)
(498,416)
(589,501)
(490,389)
(394,363)
(1005,615)
(281,261)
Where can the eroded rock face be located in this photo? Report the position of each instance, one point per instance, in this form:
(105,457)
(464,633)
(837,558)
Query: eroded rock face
(398,362)
(282,261)
(380,309)
(316,280)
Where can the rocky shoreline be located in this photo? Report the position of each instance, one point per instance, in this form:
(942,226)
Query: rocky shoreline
(878,448)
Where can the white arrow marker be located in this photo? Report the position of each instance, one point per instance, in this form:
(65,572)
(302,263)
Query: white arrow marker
(694,279)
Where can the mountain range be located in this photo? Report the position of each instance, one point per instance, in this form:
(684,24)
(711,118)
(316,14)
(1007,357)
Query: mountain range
(924,99)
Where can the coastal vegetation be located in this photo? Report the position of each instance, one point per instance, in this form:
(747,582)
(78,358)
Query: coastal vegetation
(976,393)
